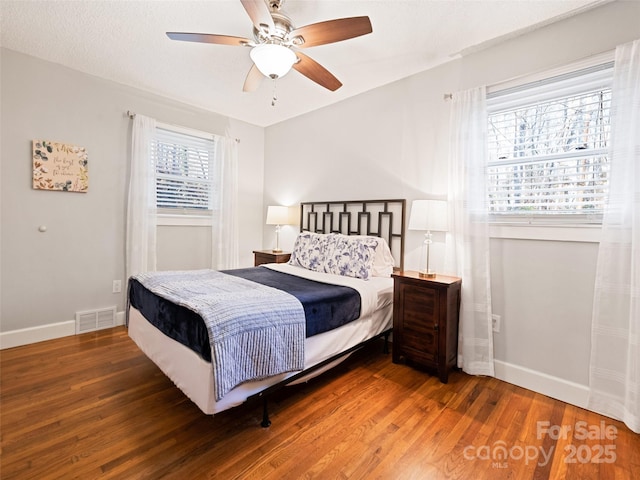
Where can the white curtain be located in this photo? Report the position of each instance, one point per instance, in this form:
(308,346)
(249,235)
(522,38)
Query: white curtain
(468,239)
(141,207)
(614,380)
(224,225)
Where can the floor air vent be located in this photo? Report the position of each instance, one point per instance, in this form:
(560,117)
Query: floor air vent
(91,320)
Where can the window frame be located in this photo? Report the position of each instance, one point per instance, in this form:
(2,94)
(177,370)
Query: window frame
(183,216)
(503,222)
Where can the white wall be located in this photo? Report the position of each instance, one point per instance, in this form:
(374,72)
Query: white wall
(47,277)
(392,143)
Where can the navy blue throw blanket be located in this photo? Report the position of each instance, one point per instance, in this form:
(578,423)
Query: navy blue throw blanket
(325,306)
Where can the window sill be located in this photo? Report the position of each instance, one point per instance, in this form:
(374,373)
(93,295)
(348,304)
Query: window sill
(169,220)
(558,233)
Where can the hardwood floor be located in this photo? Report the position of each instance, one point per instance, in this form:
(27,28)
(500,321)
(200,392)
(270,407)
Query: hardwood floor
(93,406)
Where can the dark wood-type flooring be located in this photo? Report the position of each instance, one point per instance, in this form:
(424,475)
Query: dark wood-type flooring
(93,406)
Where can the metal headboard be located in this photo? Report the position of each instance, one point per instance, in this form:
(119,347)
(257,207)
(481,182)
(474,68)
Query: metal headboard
(381,218)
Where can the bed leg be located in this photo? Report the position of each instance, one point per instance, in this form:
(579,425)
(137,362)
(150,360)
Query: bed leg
(385,349)
(265,414)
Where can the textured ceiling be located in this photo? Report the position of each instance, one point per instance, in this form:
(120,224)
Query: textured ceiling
(125,41)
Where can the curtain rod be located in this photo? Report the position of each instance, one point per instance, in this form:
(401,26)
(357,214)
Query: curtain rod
(132,115)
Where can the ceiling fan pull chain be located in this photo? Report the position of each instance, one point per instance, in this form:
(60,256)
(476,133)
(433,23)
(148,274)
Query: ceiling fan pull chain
(275,98)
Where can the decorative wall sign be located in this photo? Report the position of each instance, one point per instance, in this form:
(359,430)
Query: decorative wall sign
(58,166)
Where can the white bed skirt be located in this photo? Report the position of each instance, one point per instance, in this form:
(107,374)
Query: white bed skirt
(194,376)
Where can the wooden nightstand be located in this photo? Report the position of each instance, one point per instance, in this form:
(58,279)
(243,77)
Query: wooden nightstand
(268,256)
(425,321)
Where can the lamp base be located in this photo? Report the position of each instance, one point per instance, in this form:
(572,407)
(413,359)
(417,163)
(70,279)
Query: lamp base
(427,274)
(277,250)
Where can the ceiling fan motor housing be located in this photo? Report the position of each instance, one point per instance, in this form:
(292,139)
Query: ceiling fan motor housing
(283,27)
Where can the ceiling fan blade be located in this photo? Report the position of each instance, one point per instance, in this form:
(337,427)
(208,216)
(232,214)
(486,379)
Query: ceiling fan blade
(332,31)
(259,13)
(316,72)
(253,80)
(209,38)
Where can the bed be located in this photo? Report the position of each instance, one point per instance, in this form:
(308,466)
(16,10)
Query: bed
(304,300)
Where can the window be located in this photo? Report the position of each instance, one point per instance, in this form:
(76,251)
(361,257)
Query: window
(185,166)
(548,147)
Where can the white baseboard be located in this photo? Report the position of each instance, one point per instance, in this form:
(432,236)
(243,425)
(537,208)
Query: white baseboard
(26,336)
(554,387)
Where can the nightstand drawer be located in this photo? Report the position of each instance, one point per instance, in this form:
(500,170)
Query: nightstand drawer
(420,301)
(421,357)
(418,319)
(420,347)
(420,307)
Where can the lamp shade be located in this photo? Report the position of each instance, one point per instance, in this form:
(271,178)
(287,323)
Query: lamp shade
(277,215)
(428,215)
(273,60)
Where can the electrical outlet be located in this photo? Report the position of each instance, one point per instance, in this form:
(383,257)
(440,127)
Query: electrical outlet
(117,286)
(495,320)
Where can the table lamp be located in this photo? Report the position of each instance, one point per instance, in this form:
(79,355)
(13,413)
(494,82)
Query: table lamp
(428,215)
(277,215)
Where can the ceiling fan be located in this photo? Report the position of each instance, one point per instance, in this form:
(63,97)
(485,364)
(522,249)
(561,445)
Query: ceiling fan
(274,48)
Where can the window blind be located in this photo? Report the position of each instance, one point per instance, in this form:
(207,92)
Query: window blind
(185,169)
(548,145)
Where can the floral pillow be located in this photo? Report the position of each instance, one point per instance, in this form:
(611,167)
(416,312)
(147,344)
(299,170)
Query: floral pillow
(310,251)
(351,256)
(383,261)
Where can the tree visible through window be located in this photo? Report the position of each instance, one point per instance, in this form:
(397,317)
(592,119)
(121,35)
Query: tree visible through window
(550,156)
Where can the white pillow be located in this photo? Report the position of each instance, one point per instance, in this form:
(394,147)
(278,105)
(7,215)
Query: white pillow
(384,262)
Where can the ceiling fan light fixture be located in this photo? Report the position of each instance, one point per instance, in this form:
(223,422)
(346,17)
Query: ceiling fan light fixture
(273,60)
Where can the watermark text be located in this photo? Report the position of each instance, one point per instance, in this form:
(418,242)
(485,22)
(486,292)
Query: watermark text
(500,454)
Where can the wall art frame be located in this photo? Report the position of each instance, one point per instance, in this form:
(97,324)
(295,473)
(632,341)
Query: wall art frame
(60,166)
